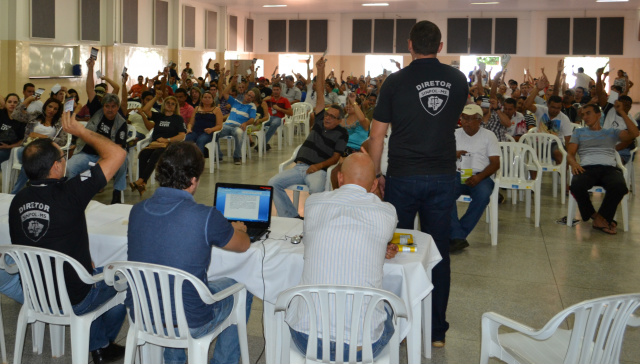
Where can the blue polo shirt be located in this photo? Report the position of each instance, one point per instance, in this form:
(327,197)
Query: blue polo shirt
(240,112)
(171,229)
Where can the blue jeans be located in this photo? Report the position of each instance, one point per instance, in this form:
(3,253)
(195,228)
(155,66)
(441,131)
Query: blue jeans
(10,284)
(237,133)
(80,163)
(105,328)
(480,195)
(227,348)
(201,139)
(272,126)
(22,177)
(432,196)
(301,340)
(294,176)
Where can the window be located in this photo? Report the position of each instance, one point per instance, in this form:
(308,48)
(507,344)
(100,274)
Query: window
(468,63)
(375,65)
(590,65)
(294,62)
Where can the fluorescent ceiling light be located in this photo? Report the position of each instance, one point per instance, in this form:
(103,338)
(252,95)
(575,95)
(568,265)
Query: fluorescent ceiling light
(487,3)
(612,1)
(274,6)
(376,4)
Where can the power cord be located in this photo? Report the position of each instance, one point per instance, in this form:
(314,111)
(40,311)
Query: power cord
(264,292)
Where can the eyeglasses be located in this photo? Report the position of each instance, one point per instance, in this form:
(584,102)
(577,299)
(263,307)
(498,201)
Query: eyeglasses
(330,116)
(63,156)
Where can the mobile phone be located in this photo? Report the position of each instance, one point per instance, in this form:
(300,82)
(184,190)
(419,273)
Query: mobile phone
(39,92)
(169,64)
(325,53)
(393,61)
(68,104)
(239,78)
(99,74)
(94,53)
(124,71)
(248,72)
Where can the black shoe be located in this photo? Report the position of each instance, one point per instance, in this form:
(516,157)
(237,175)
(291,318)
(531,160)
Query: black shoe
(299,217)
(500,198)
(117,197)
(456,245)
(109,354)
(268,147)
(237,161)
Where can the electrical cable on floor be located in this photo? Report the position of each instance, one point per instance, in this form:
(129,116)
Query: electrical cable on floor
(264,290)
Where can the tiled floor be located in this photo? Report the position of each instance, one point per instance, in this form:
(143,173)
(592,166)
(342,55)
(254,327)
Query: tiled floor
(532,274)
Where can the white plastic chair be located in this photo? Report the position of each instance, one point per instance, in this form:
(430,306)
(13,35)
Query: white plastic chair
(9,176)
(491,211)
(571,213)
(510,138)
(212,146)
(40,303)
(596,336)
(631,169)
(299,188)
(300,118)
(514,172)
(260,142)
(142,278)
(140,145)
(325,299)
(541,144)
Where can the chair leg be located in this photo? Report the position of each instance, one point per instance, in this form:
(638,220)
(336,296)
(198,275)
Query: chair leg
(296,199)
(554,178)
(571,211)
(3,347)
(37,335)
(536,199)
(563,186)
(131,346)
(20,332)
(625,211)
(79,341)
(241,322)
(57,340)
(528,204)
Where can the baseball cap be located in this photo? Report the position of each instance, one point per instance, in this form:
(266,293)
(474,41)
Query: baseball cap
(472,109)
(100,91)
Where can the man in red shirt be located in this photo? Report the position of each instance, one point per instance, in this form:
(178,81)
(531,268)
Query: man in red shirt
(136,90)
(278,107)
(186,110)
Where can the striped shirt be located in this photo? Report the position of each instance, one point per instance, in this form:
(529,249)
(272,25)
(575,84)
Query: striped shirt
(240,112)
(346,232)
(321,143)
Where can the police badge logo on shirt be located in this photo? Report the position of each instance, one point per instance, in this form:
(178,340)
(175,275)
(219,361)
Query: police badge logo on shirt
(35,220)
(433,95)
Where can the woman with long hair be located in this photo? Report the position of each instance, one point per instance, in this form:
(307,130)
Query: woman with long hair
(168,126)
(39,126)
(206,120)
(11,131)
(262,114)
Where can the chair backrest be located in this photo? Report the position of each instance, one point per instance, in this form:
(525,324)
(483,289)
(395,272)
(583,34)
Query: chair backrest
(514,158)
(165,284)
(42,275)
(290,160)
(598,328)
(541,144)
(300,113)
(326,298)
(509,138)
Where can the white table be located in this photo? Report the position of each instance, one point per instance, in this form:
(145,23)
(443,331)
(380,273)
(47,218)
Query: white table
(281,263)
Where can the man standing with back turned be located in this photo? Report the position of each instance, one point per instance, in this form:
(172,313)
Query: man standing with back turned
(423,102)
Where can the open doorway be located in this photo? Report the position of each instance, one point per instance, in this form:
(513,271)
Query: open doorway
(590,65)
(469,63)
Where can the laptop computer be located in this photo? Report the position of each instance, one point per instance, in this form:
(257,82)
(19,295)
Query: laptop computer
(250,204)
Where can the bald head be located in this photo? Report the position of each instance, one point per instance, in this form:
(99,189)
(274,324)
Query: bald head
(358,169)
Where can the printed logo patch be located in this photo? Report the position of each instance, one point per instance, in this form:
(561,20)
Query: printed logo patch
(35,220)
(433,99)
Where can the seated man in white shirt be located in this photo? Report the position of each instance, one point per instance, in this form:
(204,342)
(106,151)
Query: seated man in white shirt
(346,235)
(476,149)
(550,118)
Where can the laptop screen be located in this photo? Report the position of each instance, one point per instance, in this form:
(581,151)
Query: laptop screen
(246,203)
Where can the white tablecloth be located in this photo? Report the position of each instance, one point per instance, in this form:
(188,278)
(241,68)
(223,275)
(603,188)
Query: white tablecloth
(407,275)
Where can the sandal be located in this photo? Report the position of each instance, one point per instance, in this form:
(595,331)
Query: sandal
(611,230)
(140,188)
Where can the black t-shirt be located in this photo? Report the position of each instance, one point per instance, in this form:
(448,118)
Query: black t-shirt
(167,126)
(423,102)
(104,129)
(7,124)
(265,91)
(50,214)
